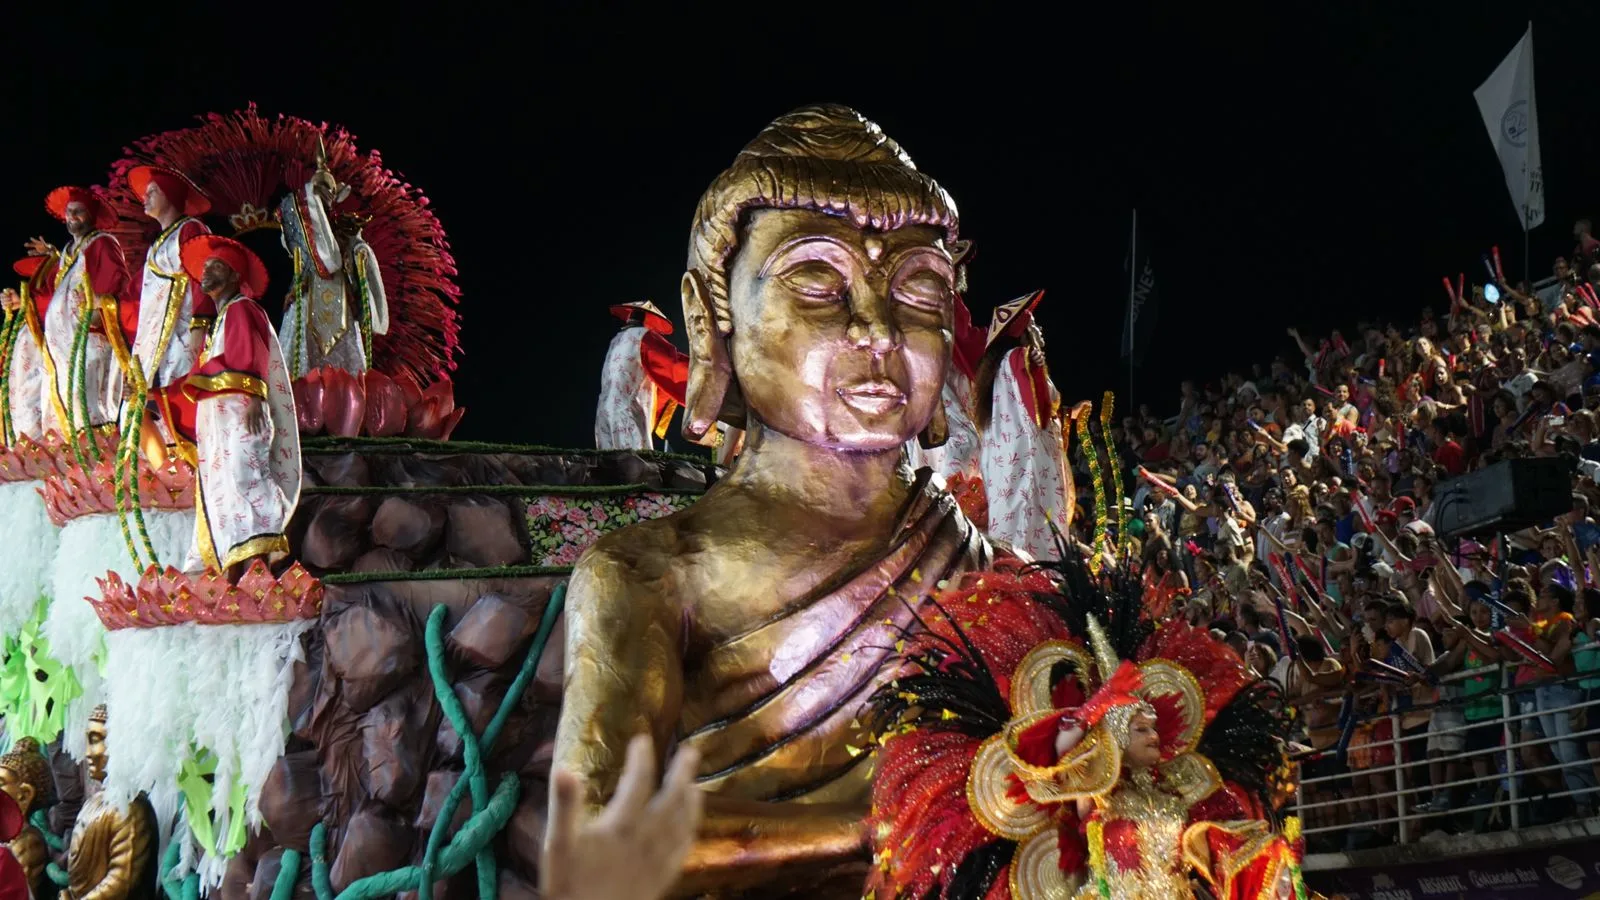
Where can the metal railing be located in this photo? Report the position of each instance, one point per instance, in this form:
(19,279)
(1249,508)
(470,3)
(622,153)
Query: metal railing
(1498,800)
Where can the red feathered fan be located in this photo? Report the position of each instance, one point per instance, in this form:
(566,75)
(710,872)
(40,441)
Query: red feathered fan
(245,162)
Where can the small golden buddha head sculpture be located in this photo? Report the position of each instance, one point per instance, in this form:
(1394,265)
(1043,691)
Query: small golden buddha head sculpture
(819,291)
(95,753)
(25,775)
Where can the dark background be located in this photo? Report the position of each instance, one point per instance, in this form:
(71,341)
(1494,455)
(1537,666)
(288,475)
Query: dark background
(1309,168)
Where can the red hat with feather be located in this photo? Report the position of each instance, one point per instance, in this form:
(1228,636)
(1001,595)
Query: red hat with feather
(199,250)
(57,200)
(179,190)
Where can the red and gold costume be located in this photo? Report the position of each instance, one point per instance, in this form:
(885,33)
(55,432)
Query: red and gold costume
(89,322)
(974,797)
(248,476)
(174,313)
(642,381)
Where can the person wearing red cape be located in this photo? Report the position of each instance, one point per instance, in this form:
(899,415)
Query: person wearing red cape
(1049,742)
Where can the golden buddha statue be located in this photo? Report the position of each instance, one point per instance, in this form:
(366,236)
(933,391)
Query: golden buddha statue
(112,853)
(25,775)
(753,625)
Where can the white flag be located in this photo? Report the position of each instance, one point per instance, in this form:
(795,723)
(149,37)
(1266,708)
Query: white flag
(1510,114)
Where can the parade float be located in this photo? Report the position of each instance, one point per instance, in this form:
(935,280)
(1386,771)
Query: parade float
(304,643)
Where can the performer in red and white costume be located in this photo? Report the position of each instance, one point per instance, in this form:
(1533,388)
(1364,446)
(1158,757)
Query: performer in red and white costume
(246,437)
(24,355)
(642,381)
(174,313)
(1024,472)
(90,280)
(960,453)
(317,328)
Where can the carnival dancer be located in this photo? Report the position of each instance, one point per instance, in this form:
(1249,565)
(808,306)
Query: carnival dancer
(1022,761)
(958,458)
(23,353)
(174,313)
(641,383)
(247,442)
(1024,472)
(90,318)
(328,275)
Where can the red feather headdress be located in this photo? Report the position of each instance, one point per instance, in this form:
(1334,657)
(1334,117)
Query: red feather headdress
(245,161)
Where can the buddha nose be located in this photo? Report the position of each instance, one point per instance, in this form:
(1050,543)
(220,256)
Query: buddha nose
(872,325)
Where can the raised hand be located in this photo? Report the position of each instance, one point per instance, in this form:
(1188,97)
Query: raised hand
(634,849)
(38,246)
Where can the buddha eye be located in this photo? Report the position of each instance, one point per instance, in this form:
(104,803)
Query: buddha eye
(925,290)
(814,278)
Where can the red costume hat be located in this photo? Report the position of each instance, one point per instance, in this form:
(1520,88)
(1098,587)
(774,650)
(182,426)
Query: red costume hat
(1011,319)
(27,266)
(180,191)
(252,274)
(56,201)
(654,319)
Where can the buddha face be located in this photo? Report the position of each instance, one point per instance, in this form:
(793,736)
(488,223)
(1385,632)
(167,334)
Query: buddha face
(841,337)
(95,753)
(12,783)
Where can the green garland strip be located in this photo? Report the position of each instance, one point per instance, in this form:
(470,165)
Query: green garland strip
(324,445)
(14,323)
(529,490)
(51,839)
(1115,466)
(471,843)
(446,574)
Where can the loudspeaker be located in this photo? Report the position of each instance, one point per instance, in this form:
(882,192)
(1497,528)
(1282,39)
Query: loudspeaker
(1510,495)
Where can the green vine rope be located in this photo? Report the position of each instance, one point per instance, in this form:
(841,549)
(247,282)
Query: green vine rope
(471,844)
(68,428)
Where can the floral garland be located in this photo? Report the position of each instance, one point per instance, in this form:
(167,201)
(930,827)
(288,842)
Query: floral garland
(8,345)
(1092,454)
(560,528)
(1107,404)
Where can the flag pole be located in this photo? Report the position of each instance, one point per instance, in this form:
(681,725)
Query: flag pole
(1133,268)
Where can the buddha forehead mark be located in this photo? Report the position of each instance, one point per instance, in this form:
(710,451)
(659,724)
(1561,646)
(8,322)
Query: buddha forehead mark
(874,245)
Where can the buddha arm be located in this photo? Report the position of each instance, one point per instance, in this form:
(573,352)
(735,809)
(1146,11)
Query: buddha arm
(742,843)
(624,673)
(625,676)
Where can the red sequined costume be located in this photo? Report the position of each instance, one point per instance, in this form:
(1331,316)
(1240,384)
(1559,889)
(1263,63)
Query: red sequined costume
(975,797)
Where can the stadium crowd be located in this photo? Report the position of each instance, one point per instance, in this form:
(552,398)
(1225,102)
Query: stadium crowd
(1288,509)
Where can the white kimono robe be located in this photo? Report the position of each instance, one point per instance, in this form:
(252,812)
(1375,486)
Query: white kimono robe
(248,483)
(961,450)
(1024,479)
(94,379)
(624,417)
(317,329)
(25,387)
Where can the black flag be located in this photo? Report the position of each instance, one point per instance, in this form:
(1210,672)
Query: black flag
(1140,323)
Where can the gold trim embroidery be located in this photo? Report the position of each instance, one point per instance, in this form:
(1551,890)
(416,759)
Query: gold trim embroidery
(1030,684)
(229,381)
(268,545)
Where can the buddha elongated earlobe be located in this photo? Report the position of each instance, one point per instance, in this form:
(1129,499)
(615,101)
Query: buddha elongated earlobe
(709,370)
(937,430)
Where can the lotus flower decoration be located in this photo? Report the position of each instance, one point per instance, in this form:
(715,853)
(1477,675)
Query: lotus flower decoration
(72,491)
(345,404)
(169,597)
(31,460)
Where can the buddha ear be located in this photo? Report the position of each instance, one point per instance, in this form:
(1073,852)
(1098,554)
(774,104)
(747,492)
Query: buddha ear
(712,392)
(25,797)
(937,430)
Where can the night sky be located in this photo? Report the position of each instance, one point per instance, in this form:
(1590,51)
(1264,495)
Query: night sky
(1306,170)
